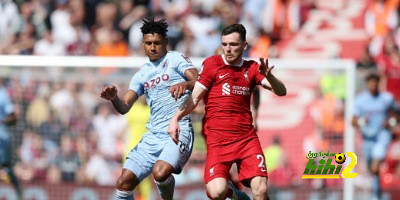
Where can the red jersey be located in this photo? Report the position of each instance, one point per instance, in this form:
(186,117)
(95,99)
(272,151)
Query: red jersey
(392,73)
(227,99)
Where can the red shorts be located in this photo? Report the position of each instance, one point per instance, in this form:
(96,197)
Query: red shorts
(246,153)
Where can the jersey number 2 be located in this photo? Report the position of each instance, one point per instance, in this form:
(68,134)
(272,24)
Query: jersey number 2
(261,165)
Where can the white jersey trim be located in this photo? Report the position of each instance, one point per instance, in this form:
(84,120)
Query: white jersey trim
(201,85)
(265,82)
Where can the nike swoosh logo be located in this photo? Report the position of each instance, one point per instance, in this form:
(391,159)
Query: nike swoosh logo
(263,170)
(222,76)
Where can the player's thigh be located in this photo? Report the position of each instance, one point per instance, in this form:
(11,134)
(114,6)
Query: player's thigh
(142,158)
(177,155)
(381,146)
(367,150)
(252,166)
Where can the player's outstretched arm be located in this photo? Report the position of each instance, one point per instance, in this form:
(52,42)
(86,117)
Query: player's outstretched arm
(179,89)
(276,85)
(187,106)
(121,105)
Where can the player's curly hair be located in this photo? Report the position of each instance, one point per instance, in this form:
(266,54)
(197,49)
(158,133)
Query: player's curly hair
(151,27)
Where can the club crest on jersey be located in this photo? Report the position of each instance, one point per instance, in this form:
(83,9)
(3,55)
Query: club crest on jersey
(246,76)
(165,64)
(186,58)
(212,171)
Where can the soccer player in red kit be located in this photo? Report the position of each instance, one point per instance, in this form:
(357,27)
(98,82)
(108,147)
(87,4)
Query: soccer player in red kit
(226,82)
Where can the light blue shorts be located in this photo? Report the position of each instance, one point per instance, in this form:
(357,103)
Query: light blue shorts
(159,146)
(377,147)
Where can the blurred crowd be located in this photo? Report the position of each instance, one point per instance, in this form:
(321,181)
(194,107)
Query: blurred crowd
(112,28)
(66,133)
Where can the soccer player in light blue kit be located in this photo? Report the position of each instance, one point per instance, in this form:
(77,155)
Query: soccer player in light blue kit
(166,80)
(7,118)
(371,117)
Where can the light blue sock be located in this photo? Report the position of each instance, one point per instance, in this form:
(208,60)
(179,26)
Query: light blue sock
(166,188)
(376,187)
(124,195)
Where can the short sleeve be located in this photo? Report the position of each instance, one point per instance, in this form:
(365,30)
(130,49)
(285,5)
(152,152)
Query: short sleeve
(182,63)
(206,75)
(137,84)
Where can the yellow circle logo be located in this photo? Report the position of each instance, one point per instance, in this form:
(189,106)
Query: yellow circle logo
(340,158)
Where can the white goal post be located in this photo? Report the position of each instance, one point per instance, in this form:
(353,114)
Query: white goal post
(348,67)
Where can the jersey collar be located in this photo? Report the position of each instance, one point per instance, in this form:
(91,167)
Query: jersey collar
(156,63)
(226,63)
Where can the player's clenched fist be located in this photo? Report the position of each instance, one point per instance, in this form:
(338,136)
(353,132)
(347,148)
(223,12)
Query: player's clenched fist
(178,90)
(109,92)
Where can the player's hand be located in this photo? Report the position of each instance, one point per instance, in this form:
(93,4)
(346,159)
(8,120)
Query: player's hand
(109,92)
(178,90)
(264,68)
(173,130)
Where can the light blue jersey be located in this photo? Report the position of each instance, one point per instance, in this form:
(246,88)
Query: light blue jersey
(375,110)
(154,80)
(6,108)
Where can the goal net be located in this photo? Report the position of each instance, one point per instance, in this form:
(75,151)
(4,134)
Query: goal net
(57,100)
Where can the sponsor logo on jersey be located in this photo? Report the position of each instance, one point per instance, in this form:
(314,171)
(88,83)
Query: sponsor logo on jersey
(222,76)
(226,89)
(241,90)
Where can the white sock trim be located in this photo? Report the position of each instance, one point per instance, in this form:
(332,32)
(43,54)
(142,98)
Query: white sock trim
(122,193)
(166,182)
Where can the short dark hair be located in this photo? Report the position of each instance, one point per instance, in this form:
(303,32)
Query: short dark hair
(151,27)
(373,76)
(235,28)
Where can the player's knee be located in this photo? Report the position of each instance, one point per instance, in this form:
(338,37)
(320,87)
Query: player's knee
(161,175)
(124,184)
(262,190)
(162,171)
(374,167)
(374,170)
(216,192)
(259,188)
